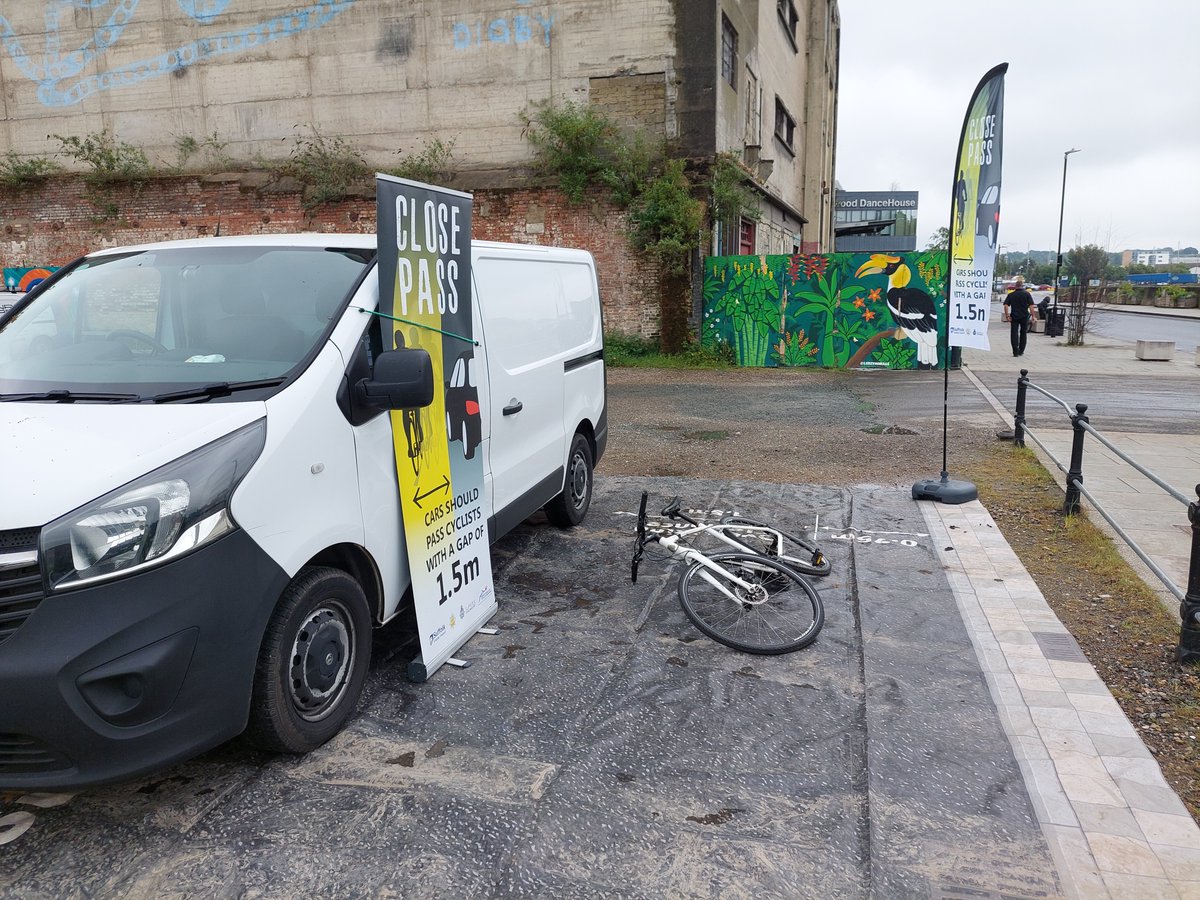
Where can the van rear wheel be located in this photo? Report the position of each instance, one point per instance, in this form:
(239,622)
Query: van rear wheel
(569,507)
(312,663)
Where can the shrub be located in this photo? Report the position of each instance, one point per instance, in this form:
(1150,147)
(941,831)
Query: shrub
(428,164)
(108,160)
(329,168)
(575,142)
(18,172)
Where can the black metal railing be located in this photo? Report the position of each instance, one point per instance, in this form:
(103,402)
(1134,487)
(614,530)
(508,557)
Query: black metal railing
(1189,599)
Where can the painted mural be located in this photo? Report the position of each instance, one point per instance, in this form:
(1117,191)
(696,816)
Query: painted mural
(23,278)
(840,310)
(60,72)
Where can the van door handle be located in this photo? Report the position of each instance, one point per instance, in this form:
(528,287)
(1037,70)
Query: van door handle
(514,407)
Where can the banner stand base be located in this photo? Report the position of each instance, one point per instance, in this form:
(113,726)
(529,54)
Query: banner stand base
(419,674)
(945,490)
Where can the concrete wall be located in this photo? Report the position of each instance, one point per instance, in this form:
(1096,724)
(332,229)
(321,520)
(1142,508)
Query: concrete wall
(386,75)
(55,223)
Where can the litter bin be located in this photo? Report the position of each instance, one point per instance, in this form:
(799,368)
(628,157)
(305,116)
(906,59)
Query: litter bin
(956,357)
(1056,323)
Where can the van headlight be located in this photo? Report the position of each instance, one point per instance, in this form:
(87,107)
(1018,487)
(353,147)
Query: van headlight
(160,516)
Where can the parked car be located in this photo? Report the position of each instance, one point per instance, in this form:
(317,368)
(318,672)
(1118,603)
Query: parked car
(987,213)
(463,422)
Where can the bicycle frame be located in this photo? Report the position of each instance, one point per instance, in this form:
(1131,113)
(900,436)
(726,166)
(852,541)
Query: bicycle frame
(675,546)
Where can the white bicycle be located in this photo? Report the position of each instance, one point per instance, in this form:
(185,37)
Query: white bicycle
(745,599)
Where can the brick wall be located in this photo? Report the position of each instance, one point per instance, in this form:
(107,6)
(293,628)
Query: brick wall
(62,219)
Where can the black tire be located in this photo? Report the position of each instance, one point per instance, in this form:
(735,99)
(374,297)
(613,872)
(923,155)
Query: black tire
(312,663)
(786,616)
(468,447)
(803,556)
(568,508)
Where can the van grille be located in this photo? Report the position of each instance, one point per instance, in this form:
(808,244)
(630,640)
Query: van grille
(20,579)
(21,753)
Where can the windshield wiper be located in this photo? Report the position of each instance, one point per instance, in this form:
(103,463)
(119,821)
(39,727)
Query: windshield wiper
(217,389)
(65,396)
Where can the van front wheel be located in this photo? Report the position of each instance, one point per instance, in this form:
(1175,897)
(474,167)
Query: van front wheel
(569,507)
(312,663)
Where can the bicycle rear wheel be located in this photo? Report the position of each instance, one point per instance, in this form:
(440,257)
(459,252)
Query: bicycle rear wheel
(780,613)
(803,556)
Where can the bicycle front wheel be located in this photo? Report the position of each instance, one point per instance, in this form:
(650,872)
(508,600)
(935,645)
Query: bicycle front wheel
(803,556)
(777,611)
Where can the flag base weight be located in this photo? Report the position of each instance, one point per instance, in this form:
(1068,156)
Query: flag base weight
(945,490)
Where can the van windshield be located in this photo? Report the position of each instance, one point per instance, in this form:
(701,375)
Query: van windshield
(139,325)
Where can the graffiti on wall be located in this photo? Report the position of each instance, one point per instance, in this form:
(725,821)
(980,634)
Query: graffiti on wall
(60,73)
(517,28)
(841,310)
(22,279)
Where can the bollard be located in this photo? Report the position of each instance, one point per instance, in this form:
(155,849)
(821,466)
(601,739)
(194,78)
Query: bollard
(1019,418)
(1189,607)
(1071,503)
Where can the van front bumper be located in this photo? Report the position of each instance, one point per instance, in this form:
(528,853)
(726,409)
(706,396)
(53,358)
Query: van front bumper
(117,679)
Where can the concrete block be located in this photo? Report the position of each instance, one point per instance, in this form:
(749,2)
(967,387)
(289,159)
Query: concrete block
(1155,350)
(1037,326)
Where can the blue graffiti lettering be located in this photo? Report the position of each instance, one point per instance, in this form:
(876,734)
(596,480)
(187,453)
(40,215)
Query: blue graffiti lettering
(517,30)
(462,36)
(498,32)
(50,67)
(546,23)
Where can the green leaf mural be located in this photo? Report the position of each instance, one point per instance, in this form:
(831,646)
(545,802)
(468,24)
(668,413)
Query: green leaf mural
(813,309)
(749,305)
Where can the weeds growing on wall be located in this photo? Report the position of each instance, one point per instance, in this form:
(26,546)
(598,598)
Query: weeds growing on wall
(429,165)
(328,167)
(733,198)
(666,221)
(581,146)
(575,142)
(108,161)
(204,154)
(16,171)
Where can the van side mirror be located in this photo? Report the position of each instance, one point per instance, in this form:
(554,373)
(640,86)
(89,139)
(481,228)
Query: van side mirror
(400,379)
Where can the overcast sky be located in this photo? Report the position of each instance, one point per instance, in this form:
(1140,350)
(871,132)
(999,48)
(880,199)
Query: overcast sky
(1120,81)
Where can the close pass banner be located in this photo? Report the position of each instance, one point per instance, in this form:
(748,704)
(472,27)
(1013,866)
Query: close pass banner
(975,214)
(426,299)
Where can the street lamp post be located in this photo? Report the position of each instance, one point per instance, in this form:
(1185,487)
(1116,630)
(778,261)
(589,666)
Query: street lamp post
(1061,204)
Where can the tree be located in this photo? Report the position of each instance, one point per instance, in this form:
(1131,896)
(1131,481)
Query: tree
(940,240)
(1083,264)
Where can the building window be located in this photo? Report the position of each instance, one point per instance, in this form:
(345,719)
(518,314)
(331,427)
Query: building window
(728,52)
(788,19)
(753,108)
(785,126)
(746,234)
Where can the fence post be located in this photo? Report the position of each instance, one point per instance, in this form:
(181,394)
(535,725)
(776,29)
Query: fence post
(1071,503)
(1019,418)
(1189,607)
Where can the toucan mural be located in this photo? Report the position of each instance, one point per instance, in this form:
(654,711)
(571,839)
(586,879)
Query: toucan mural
(840,310)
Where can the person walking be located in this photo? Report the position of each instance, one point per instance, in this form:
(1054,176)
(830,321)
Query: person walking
(1018,308)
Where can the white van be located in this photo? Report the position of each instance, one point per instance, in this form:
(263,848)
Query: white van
(199,517)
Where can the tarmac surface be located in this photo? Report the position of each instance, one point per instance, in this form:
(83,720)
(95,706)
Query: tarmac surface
(944,737)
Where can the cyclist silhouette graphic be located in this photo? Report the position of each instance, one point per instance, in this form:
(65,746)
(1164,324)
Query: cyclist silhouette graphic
(414,430)
(960,202)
